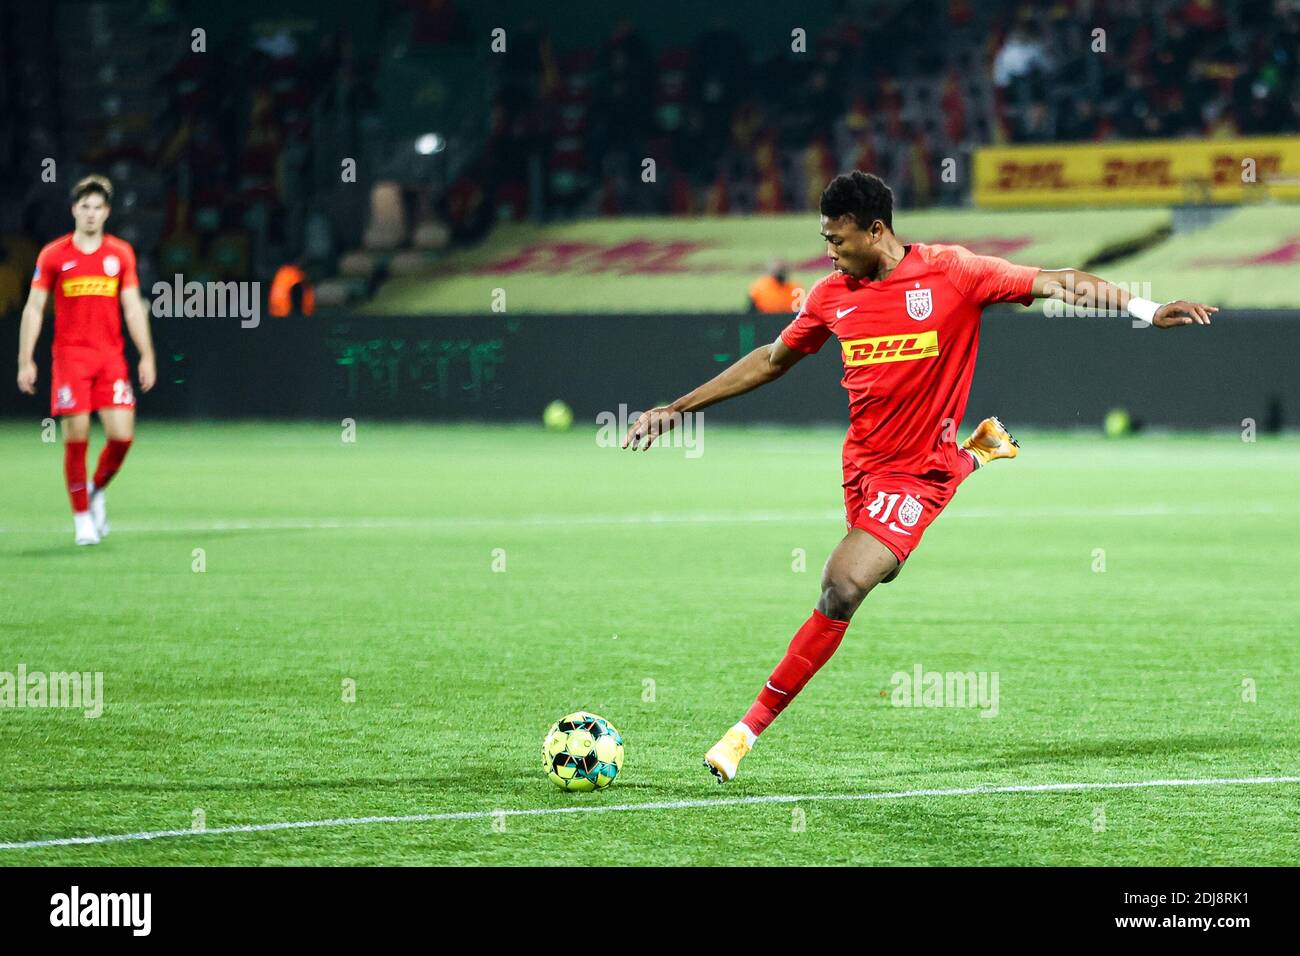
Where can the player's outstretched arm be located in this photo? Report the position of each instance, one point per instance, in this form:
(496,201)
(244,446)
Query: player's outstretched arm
(765,364)
(28,332)
(137,325)
(1090,292)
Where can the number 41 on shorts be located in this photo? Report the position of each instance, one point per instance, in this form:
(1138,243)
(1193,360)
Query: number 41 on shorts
(909,512)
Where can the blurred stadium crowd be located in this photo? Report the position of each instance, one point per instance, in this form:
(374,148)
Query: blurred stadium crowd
(210,155)
(888,87)
(228,166)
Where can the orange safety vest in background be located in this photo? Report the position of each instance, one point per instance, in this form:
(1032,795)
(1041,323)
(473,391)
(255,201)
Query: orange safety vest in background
(279,302)
(772,296)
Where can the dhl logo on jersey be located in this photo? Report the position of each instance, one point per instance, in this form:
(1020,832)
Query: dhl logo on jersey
(891,348)
(90,285)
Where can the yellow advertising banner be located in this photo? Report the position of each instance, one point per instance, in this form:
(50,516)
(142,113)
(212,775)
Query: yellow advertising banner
(1155,172)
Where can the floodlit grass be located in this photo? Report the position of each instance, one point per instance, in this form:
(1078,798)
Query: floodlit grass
(658,591)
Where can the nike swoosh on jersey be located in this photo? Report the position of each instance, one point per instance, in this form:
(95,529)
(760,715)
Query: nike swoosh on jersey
(841,313)
(67,265)
(895,528)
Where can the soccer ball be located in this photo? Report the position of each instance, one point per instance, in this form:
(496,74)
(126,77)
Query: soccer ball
(1118,423)
(557,416)
(582,752)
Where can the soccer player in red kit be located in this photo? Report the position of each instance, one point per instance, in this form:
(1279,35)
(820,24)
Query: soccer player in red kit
(907,321)
(95,286)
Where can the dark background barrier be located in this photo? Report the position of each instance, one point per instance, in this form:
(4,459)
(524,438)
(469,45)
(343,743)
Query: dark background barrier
(1032,370)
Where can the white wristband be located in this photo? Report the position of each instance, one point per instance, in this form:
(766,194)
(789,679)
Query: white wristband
(1143,309)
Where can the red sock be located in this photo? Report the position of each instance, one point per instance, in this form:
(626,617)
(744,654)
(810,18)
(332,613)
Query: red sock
(74,472)
(110,460)
(970,465)
(812,646)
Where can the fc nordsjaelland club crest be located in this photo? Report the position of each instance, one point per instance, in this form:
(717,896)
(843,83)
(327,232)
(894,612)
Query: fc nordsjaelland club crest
(111,265)
(910,510)
(919,303)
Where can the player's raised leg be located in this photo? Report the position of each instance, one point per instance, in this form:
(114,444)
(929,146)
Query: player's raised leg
(858,563)
(119,430)
(76,435)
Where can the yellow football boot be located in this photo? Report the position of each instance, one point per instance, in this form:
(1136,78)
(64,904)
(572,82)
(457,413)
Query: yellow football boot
(724,757)
(991,441)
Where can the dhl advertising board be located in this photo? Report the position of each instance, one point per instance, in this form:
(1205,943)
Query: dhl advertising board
(1139,173)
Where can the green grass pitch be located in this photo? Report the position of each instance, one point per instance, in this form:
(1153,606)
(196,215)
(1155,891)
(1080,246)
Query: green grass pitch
(476,583)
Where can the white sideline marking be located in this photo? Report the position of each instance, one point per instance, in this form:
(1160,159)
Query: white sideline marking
(651,518)
(621,807)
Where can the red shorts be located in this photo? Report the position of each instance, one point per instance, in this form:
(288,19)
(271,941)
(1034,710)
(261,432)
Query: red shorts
(86,380)
(897,508)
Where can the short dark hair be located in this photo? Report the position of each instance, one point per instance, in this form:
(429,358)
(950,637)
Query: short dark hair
(862,196)
(93,184)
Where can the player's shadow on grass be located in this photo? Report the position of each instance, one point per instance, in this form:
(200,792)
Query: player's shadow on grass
(436,784)
(1105,749)
(72,552)
(192,535)
(65,551)
(199,786)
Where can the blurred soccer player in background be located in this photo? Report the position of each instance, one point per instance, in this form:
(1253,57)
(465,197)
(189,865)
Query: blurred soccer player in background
(95,285)
(907,319)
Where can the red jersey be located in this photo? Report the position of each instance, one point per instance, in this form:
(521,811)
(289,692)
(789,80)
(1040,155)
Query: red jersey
(87,310)
(908,344)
